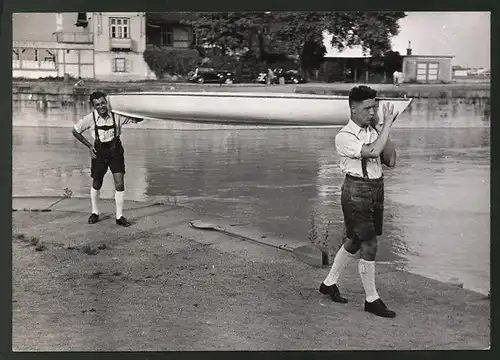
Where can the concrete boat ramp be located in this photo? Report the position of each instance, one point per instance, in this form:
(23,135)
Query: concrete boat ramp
(163,285)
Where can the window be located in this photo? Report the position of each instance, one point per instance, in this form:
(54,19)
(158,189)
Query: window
(119,65)
(181,38)
(119,28)
(432,72)
(422,72)
(427,71)
(167,36)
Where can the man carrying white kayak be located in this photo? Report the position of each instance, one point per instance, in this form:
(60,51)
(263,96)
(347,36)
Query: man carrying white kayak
(106,152)
(363,146)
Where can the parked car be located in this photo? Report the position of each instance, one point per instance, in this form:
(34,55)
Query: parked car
(291,77)
(210,75)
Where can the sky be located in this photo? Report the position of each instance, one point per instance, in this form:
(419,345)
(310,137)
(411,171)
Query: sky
(465,35)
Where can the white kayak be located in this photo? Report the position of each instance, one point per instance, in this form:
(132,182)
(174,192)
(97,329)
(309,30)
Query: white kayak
(242,108)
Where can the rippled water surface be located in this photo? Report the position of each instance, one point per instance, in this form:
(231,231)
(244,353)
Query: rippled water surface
(437,216)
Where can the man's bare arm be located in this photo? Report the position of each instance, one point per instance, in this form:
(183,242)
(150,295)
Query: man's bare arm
(81,138)
(388,155)
(374,149)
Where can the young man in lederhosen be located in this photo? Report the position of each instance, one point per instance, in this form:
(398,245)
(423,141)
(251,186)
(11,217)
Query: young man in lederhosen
(106,152)
(363,146)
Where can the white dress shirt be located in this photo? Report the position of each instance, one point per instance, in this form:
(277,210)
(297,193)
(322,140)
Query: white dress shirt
(348,143)
(87,123)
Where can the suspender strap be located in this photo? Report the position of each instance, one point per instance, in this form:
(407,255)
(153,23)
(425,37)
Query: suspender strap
(114,126)
(97,140)
(363,160)
(104,127)
(363,167)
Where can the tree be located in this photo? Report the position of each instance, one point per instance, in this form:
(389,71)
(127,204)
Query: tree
(392,61)
(370,30)
(230,31)
(171,61)
(296,33)
(312,56)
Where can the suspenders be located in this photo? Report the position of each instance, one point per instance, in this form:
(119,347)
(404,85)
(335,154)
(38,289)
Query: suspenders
(363,160)
(363,167)
(104,127)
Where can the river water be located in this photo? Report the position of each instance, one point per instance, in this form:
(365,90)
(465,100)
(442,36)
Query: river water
(437,215)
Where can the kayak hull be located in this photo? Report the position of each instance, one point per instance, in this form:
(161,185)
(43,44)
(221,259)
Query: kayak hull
(242,108)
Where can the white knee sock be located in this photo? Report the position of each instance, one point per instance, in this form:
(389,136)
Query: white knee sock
(119,199)
(367,273)
(94,198)
(341,260)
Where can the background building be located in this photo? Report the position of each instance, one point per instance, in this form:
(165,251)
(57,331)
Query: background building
(427,68)
(42,48)
(119,44)
(102,46)
(165,30)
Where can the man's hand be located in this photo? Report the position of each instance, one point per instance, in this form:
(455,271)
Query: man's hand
(93,152)
(110,109)
(388,113)
(375,149)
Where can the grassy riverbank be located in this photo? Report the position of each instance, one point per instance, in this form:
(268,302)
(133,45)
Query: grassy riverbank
(59,87)
(161,285)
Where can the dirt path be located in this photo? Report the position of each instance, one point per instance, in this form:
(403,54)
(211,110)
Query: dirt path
(161,285)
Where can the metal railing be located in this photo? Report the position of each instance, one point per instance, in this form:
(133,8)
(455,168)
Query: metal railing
(74,38)
(34,65)
(177,44)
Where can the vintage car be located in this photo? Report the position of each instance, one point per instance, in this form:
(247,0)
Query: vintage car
(290,76)
(209,75)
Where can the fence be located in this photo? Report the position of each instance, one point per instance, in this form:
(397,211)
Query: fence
(52,62)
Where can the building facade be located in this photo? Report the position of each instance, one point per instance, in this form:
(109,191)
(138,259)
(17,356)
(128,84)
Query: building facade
(119,44)
(427,69)
(166,30)
(106,46)
(41,47)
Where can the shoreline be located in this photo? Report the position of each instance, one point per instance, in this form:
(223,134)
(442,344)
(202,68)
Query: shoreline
(62,89)
(46,199)
(148,264)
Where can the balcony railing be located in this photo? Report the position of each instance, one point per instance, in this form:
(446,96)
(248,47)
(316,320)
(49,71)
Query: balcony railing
(74,38)
(121,43)
(34,65)
(177,44)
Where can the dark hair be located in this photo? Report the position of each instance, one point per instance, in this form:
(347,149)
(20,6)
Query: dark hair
(361,93)
(96,95)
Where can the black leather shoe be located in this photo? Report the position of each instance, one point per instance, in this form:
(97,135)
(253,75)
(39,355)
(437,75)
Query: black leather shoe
(334,293)
(379,308)
(123,222)
(93,218)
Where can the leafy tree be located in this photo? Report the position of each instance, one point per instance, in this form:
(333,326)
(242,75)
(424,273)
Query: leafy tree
(230,31)
(370,30)
(295,33)
(171,61)
(312,56)
(393,61)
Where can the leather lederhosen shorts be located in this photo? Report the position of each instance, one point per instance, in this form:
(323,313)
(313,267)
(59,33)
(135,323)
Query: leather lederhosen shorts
(109,155)
(363,207)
